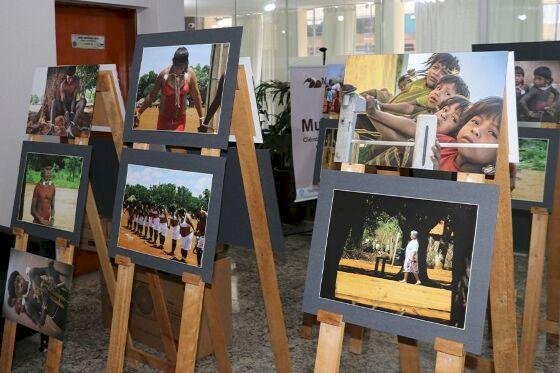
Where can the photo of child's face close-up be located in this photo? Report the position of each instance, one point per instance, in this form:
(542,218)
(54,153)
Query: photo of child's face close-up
(440,93)
(448,119)
(540,81)
(480,129)
(435,72)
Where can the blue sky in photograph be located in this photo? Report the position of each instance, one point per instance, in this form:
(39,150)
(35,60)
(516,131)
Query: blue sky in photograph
(335,71)
(39,82)
(158,58)
(147,176)
(484,72)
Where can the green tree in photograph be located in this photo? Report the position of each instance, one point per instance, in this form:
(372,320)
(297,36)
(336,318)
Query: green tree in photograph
(66,170)
(34,100)
(88,79)
(146,84)
(203,78)
(167,195)
(533,153)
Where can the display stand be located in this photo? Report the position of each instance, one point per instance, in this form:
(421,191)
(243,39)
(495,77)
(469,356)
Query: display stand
(66,255)
(533,290)
(10,327)
(551,324)
(107,112)
(199,296)
(450,354)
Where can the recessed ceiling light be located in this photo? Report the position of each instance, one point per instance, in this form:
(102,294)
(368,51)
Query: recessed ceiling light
(269,7)
(340,18)
(522,17)
(283,31)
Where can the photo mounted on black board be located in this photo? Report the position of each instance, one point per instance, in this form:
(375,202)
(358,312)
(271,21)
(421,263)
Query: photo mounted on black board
(412,259)
(537,79)
(167,209)
(183,84)
(51,192)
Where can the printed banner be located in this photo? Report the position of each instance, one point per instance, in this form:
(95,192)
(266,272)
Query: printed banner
(307,91)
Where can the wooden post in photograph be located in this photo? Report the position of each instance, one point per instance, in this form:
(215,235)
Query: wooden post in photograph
(54,354)
(121,313)
(533,289)
(259,225)
(329,346)
(10,327)
(450,356)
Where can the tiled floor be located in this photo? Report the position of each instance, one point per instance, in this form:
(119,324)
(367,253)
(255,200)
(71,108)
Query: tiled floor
(85,348)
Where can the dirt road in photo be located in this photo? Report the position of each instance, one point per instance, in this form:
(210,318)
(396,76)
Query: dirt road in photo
(64,207)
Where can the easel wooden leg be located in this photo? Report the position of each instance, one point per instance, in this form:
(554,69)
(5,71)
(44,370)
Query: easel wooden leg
(450,356)
(356,338)
(121,313)
(10,327)
(219,343)
(307,323)
(190,323)
(533,290)
(553,260)
(408,354)
(164,323)
(329,347)
(54,354)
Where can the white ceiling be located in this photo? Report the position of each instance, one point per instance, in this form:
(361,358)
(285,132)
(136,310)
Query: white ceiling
(208,8)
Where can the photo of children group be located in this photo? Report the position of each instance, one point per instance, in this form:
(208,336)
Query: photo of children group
(180,88)
(536,91)
(62,101)
(400,255)
(464,91)
(164,213)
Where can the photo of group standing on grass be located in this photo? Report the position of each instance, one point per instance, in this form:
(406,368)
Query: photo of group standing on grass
(400,255)
(164,213)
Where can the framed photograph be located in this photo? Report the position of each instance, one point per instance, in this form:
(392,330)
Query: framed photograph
(536,172)
(167,211)
(408,102)
(51,190)
(62,101)
(326,141)
(256,132)
(332,99)
(537,78)
(182,88)
(406,256)
(37,293)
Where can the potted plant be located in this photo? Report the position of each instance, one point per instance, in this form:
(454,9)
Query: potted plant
(273,102)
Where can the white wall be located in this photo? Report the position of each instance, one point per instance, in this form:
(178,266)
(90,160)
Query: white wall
(27,40)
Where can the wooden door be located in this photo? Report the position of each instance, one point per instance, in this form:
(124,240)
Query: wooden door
(116,25)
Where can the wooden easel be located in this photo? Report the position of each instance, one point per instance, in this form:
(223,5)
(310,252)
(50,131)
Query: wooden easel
(54,354)
(450,354)
(197,295)
(530,326)
(107,112)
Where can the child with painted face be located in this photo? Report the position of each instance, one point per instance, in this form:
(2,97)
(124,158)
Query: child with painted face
(479,124)
(397,128)
(447,86)
(536,104)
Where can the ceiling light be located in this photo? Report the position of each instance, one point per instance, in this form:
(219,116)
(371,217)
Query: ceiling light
(340,18)
(269,7)
(283,31)
(412,16)
(522,17)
